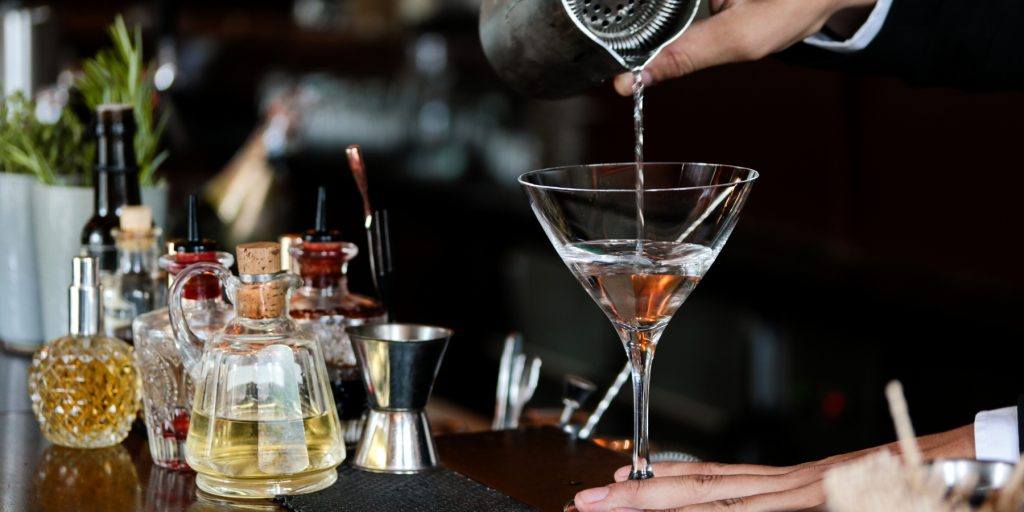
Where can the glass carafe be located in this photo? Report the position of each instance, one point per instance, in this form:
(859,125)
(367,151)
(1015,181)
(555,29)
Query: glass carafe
(263,422)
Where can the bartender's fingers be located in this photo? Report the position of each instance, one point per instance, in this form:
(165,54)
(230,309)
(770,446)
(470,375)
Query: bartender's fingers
(809,496)
(679,491)
(703,468)
(744,30)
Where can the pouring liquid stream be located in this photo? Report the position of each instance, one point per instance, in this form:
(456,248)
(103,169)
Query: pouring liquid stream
(638,130)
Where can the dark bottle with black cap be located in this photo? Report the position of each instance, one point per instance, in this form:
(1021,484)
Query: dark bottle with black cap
(326,307)
(115,182)
(166,387)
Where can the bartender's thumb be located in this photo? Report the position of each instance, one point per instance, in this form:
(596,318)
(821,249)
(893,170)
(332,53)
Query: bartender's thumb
(732,35)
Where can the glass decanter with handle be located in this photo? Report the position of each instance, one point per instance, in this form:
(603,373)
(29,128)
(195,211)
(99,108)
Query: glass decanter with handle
(263,422)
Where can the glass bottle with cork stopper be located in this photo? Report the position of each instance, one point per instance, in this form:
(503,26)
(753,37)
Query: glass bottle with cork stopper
(83,385)
(136,286)
(326,307)
(262,420)
(166,387)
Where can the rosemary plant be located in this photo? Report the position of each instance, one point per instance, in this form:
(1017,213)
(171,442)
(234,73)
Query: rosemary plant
(119,75)
(56,153)
(62,152)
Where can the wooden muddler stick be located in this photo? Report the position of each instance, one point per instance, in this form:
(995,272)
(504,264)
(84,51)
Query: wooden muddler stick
(904,429)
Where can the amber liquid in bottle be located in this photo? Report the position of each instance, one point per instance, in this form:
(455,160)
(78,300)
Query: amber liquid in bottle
(86,390)
(83,386)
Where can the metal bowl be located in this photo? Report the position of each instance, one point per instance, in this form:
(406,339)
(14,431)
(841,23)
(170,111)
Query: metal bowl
(988,475)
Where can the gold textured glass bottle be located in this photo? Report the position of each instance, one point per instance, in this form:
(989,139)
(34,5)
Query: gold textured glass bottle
(263,422)
(83,387)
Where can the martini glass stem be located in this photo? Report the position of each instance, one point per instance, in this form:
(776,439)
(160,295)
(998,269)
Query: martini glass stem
(640,347)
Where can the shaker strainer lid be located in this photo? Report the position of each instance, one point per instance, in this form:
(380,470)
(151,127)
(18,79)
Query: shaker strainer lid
(633,30)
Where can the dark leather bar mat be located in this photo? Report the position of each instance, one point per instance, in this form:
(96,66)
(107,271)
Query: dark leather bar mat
(542,467)
(438,490)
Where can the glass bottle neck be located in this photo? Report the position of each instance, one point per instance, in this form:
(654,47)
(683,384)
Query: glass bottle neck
(203,303)
(266,300)
(115,189)
(203,289)
(326,285)
(134,261)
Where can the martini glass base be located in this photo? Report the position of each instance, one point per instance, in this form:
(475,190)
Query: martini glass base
(641,475)
(635,475)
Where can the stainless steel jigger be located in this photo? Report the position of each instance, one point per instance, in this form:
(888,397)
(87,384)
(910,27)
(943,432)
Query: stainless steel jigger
(399,364)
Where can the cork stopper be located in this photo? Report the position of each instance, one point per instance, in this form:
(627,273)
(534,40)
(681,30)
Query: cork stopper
(136,219)
(259,258)
(264,300)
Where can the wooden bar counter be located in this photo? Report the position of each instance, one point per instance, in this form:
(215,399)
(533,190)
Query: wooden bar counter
(540,467)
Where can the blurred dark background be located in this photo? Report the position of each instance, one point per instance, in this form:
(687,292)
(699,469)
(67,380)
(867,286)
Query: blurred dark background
(881,242)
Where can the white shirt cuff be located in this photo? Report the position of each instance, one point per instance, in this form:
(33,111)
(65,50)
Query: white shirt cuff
(862,38)
(995,435)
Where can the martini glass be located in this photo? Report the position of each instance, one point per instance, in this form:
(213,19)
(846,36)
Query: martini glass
(639,254)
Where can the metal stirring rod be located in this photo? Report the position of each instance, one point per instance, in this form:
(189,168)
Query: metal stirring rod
(606,400)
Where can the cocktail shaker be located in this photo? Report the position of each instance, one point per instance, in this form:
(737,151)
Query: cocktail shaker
(560,48)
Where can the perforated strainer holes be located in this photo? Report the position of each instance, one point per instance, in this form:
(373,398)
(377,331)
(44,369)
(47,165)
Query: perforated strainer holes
(633,28)
(596,13)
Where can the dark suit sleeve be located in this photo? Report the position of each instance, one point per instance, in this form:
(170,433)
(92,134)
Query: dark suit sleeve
(969,44)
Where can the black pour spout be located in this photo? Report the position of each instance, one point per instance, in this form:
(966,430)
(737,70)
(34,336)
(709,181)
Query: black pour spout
(194,241)
(320,232)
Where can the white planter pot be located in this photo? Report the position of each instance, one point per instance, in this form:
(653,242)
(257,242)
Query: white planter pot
(59,213)
(156,199)
(20,320)
(58,216)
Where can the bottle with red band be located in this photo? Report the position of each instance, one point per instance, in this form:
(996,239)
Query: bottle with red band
(166,387)
(326,307)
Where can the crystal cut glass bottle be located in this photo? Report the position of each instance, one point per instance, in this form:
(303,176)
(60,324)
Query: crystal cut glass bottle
(166,387)
(83,386)
(325,307)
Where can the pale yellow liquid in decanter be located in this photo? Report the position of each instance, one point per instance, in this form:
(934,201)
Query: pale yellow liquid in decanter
(259,440)
(232,448)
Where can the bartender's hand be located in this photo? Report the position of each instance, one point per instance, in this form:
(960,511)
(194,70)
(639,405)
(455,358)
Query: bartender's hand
(743,30)
(704,486)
